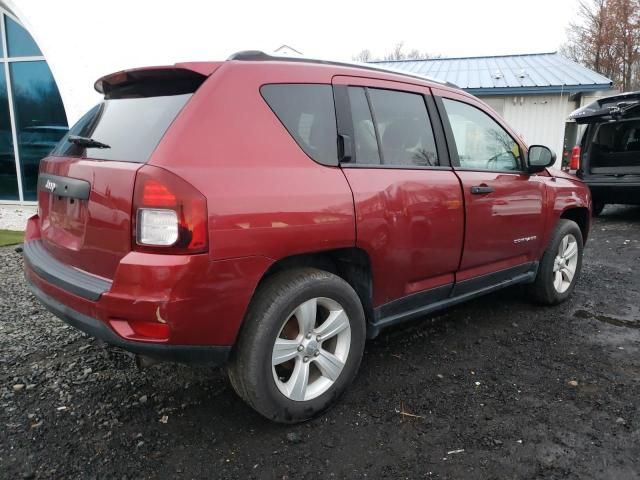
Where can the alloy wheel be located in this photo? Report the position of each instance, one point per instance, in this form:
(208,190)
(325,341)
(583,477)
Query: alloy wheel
(565,263)
(311,349)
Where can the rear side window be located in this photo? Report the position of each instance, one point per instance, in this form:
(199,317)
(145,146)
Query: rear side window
(403,127)
(308,113)
(130,127)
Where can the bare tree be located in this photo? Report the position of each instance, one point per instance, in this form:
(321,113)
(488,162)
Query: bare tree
(626,34)
(363,56)
(606,38)
(397,53)
(416,54)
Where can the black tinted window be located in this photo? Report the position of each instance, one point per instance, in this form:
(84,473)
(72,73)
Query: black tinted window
(363,130)
(404,128)
(308,114)
(132,127)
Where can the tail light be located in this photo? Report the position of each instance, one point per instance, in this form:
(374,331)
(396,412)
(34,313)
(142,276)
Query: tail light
(574,163)
(169,215)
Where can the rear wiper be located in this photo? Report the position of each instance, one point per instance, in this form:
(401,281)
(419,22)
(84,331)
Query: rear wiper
(86,142)
(621,108)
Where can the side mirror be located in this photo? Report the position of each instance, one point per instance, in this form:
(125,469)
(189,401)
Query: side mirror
(539,158)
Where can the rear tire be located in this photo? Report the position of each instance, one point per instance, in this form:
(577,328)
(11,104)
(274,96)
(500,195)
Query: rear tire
(560,266)
(300,346)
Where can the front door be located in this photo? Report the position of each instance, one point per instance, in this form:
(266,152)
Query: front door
(503,203)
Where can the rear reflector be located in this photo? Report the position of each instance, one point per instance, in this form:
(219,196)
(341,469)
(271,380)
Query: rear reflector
(574,163)
(141,331)
(170,215)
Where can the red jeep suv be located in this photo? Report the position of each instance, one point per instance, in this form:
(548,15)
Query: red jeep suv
(272,213)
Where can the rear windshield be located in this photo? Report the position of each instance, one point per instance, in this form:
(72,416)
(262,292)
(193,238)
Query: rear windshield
(131,127)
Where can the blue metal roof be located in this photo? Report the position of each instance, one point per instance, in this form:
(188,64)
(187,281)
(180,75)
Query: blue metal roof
(507,75)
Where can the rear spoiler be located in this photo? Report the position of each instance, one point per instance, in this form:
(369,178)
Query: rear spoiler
(153,81)
(609,108)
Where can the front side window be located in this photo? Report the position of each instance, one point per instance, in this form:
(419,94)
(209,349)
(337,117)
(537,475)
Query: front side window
(403,127)
(481,142)
(307,112)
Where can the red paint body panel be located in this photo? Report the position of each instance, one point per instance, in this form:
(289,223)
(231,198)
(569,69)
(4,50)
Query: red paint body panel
(265,196)
(91,235)
(512,213)
(411,223)
(564,192)
(267,200)
(202,301)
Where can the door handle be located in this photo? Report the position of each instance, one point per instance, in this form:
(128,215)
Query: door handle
(481,189)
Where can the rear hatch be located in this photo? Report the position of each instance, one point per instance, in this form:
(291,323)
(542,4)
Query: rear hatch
(608,109)
(86,185)
(611,143)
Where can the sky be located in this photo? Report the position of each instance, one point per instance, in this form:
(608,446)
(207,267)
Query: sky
(84,39)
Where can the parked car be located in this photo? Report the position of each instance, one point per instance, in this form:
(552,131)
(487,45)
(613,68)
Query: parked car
(271,214)
(608,157)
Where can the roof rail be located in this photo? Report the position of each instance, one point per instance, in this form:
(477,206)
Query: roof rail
(260,56)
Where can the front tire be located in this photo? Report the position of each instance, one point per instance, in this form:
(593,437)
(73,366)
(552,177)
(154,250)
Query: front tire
(560,266)
(301,345)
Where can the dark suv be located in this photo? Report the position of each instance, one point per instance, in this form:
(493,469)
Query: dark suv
(608,157)
(271,214)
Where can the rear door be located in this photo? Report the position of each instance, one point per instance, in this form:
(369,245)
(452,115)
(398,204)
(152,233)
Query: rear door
(503,203)
(408,202)
(85,189)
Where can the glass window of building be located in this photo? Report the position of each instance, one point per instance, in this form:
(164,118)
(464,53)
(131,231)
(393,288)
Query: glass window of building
(32,116)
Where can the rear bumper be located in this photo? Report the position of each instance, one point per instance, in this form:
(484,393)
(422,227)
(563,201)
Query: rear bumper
(176,307)
(61,275)
(95,328)
(615,192)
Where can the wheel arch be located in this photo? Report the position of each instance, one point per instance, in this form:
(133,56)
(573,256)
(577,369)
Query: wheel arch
(351,264)
(581,216)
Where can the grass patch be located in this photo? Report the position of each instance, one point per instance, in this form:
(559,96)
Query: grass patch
(10,237)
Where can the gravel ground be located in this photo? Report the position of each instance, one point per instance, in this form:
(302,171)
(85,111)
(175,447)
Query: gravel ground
(496,388)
